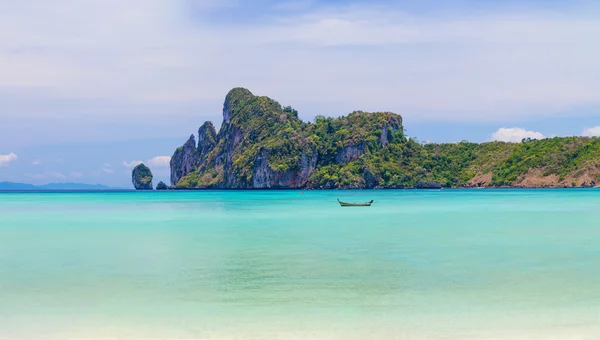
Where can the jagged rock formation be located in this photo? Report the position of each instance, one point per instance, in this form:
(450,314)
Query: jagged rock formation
(184,160)
(262,145)
(141,176)
(162,186)
(190,156)
(207,139)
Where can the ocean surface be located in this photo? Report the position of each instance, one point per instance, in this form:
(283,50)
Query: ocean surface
(451,264)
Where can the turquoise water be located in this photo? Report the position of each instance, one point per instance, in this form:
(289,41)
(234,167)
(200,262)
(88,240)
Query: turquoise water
(452,264)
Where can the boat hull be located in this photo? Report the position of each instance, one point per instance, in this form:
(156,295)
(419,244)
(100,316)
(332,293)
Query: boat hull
(344,204)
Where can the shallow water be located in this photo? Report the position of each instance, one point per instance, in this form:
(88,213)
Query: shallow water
(451,264)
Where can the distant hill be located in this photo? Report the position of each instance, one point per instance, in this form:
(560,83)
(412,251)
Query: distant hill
(10,186)
(16,186)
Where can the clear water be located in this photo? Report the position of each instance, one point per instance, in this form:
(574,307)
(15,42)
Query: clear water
(452,264)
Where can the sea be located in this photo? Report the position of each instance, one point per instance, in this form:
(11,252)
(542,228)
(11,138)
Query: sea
(447,264)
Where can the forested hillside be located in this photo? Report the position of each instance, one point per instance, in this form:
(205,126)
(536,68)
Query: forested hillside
(262,144)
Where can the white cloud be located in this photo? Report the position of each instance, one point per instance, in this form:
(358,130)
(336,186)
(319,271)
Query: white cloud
(36,162)
(159,161)
(515,135)
(107,168)
(131,164)
(470,67)
(7,159)
(75,174)
(592,132)
(155,162)
(56,175)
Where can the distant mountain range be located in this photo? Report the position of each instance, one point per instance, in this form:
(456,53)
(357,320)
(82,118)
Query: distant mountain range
(10,186)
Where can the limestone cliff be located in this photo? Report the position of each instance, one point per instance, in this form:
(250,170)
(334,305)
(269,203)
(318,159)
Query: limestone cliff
(265,177)
(350,153)
(207,139)
(262,145)
(184,160)
(141,176)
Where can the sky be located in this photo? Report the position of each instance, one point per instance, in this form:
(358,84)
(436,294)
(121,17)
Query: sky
(90,88)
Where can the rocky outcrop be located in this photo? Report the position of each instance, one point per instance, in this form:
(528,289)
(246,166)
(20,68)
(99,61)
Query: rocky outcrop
(207,139)
(231,136)
(189,157)
(162,186)
(389,129)
(587,177)
(265,177)
(185,160)
(233,99)
(481,181)
(141,176)
(350,153)
(536,178)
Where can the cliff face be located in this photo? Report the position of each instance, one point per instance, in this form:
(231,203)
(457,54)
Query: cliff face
(350,153)
(141,176)
(264,176)
(207,139)
(184,160)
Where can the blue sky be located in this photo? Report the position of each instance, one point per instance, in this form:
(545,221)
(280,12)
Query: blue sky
(90,87)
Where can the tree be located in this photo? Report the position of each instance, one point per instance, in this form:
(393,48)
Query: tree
(290,110)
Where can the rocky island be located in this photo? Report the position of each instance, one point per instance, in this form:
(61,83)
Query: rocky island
(264,145)
(141,176)
(162,186)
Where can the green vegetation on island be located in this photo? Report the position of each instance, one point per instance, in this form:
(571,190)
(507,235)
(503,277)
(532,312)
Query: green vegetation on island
(141,176)
(264,145)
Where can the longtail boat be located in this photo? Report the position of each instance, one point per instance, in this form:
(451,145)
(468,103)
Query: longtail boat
(344,204)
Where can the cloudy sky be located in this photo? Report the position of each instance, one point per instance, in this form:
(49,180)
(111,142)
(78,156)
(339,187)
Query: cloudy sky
(89,88)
